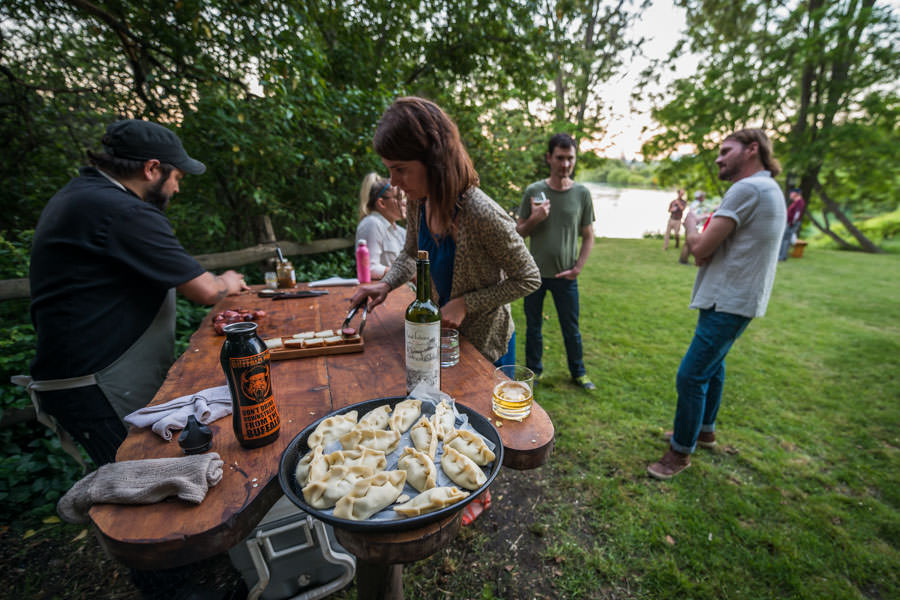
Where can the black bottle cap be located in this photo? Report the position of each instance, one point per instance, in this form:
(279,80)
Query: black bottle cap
(196,438)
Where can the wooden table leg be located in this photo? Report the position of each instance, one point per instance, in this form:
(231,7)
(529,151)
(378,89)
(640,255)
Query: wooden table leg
(377,581)
(380,556)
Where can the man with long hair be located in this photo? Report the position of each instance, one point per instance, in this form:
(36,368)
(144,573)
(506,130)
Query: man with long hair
(737,254)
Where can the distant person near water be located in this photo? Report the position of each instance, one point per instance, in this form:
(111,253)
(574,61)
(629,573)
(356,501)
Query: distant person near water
(676,212)
(554,213)
(699,209)
(737,254)
(794,220)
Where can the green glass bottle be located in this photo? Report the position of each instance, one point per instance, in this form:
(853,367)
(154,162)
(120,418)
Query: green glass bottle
(423,331)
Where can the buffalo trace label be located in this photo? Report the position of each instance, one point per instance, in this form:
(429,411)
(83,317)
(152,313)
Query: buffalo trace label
(258,413)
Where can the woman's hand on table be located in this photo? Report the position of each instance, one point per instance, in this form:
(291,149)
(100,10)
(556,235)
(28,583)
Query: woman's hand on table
(453,313)
(376,291)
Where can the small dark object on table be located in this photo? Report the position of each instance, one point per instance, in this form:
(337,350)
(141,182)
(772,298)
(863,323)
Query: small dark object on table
(195,438)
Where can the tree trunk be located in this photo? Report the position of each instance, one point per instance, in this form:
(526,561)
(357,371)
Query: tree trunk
(865,244)
(827,231)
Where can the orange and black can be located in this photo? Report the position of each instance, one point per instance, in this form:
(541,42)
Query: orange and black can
(245,360)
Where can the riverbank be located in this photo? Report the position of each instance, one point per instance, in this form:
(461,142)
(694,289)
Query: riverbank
(630,213)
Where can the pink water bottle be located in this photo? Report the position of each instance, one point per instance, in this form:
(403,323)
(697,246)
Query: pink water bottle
(362,262)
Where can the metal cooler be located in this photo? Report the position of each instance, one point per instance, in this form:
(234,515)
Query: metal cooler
(292,555)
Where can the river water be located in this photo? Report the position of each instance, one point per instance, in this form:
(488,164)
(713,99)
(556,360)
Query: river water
(629,212)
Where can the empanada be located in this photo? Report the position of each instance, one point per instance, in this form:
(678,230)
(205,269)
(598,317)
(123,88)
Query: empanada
(312,466)
(405,414)
(385,440)
(337,482)
(377,418)
(331,429)
(370,495)
(367,457)
(444,418)
(461,470)
(424,437)
(430,501)
(420,470)
(471,445)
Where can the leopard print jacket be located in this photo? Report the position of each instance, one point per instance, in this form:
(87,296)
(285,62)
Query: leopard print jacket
(492,268)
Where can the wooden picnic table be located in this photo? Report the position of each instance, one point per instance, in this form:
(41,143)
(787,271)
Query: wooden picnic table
(174,533)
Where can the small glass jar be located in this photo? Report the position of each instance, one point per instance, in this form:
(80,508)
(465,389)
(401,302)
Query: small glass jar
(285,274)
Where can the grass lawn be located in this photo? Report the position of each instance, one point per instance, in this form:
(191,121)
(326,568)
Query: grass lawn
(800,499)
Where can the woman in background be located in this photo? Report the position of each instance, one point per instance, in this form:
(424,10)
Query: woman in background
(381,205)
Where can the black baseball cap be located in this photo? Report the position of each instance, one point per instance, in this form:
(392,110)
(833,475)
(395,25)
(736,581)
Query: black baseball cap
(135,139)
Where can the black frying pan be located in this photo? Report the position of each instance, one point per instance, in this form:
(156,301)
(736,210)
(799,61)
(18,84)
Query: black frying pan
(297,448)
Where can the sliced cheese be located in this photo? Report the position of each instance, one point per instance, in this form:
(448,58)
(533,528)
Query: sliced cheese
(274,343)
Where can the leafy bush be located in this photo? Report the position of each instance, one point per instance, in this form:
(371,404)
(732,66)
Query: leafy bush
(34,470)
(14,253)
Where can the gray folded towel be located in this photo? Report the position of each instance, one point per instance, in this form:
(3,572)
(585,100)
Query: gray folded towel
(142,482)
(206,405)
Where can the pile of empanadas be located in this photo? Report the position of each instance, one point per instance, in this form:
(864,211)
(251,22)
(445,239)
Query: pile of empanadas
(354,480)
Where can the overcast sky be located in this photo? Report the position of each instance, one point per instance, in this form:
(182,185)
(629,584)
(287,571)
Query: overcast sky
(661,24)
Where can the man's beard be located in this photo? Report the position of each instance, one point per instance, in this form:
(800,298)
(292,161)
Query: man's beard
(728,173)
(157,197)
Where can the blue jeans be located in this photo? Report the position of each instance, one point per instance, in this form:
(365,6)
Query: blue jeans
(510,357)
(701,376)
(789,232)
(565,297)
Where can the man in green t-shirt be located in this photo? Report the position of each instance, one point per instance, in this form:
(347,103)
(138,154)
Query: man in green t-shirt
(554,213)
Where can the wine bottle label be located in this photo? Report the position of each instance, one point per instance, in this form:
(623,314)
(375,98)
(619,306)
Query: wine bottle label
(258,413)
(423,354)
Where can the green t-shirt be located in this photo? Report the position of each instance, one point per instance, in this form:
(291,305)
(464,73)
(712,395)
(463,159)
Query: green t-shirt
(555,241)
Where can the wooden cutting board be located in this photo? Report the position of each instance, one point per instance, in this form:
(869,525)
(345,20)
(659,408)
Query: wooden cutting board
(345,347)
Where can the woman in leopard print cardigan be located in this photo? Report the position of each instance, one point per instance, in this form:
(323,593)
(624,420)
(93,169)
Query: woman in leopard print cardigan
(491,267)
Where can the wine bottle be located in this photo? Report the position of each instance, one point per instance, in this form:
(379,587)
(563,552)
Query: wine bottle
(423,331)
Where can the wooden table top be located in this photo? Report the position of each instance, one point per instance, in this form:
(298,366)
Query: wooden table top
(174,533)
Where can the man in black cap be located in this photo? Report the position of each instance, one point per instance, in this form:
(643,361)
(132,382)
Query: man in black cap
(105,264)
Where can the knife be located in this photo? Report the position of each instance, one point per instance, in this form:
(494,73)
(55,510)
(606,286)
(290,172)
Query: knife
(286,295)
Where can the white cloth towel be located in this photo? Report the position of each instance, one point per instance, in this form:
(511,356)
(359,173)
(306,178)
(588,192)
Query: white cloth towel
(142,482)
(206,405)
(334,281)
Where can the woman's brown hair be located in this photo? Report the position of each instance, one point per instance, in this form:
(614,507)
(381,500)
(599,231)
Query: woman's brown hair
(417,129)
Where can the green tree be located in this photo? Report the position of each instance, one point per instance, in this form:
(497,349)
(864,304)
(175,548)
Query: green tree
(814,74)
(280,99)
(589,43)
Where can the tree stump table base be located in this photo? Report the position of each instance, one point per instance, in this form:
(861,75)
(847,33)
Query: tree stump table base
(380,556)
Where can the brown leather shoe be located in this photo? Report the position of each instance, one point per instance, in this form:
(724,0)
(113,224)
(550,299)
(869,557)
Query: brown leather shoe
(706,439)
(671,464)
